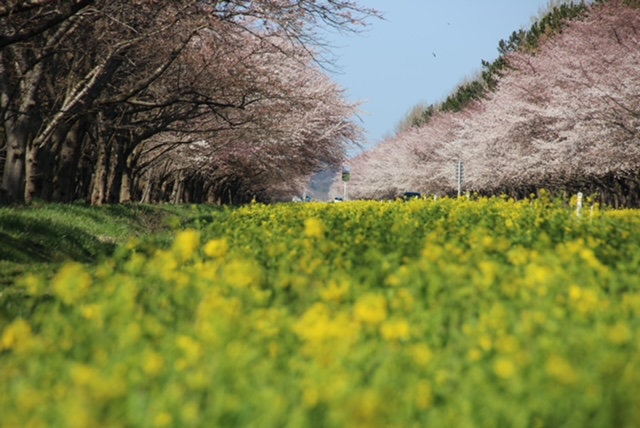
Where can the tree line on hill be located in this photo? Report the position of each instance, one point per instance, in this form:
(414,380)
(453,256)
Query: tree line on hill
(142,100)
(559,109)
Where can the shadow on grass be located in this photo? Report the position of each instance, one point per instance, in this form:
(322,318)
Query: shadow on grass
(41,237)
(37,240)
(19,250)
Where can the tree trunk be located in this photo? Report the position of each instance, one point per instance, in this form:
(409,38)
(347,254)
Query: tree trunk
(46,172)
(48,160)
(178,190)
(13,173)
(147,189)
(16,120)
(125,185)
(64,179)
(127,168)
(210,195)
(31,172)
(99,187)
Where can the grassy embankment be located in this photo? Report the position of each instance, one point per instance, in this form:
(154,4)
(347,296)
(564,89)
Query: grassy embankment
(40,238)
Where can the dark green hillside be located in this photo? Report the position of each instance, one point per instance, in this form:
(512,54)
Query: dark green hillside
(41,237)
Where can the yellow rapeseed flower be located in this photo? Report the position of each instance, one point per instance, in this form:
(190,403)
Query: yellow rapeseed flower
(442,377)
(132,244)
(16,335)
(190,413)
(153,363)
(315,325)
(93,312)
(165,263)
(403,300)
(504,368)
(575,293)
(585,300)
(395,280)
(335,291)
(619,334)
(561,370)
(537,275)
(474,354)
(163,419)
(371,309)
(103,386)
(589,256)
(421,354)
(365,409)
(71,283)
(314,228)
(217,248)
(395,330)
(197,379)
(191,348)
(84,374)
(424,395)
(136,263)
(267,321)
(34,284)
(242,273)
(486,343)
(310,396)
(29,399)
(78,413)
(518,256)
(326,336)
(488,274)
(507,344)
(186,244)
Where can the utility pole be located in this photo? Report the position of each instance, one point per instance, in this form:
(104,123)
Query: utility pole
(460,176)
(346,176)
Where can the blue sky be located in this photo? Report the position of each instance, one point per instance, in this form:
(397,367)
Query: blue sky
(421,52)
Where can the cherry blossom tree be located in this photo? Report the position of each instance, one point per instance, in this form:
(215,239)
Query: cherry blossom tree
(571,109)
(95,79)
(563,116)
(301,124)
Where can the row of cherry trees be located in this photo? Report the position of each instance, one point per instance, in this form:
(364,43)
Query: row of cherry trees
(565,117)
(120,100)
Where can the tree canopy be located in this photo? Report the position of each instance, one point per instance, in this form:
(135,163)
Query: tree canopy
(113,100)
(563,116)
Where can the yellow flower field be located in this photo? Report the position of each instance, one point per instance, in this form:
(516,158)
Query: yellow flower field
(447,313)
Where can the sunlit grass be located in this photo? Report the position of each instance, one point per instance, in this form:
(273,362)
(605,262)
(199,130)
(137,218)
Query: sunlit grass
(39,238)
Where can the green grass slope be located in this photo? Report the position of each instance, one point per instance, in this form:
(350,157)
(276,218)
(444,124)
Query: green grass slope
(41,237)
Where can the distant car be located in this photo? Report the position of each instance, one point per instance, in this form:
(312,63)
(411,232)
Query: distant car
(411,195)
(337,199)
